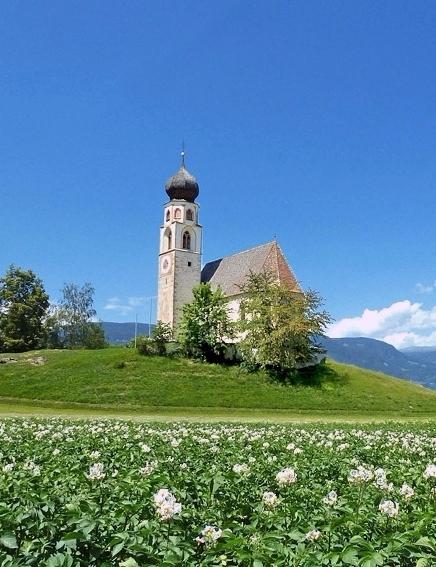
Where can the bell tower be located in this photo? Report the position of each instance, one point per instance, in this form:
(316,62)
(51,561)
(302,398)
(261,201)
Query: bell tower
(180,247)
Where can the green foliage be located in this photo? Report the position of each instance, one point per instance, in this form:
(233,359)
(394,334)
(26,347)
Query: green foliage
(279,326)
(93,336)
(23,304)
(76,494)
(145,345)
(161,335)
(205,324)
(69,324)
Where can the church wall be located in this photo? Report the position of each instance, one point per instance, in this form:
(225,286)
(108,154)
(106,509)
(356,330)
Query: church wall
(187,277)
(165,305)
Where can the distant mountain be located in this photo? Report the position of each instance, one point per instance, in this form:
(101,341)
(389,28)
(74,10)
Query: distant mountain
(122,333)
(417,366)
(423,354)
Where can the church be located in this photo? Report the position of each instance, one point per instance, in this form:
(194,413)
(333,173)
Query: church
(180,256)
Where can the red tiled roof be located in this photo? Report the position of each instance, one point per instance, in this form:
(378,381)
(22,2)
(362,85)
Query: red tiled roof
(230,273)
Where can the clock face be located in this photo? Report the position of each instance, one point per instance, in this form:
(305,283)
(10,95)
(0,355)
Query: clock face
(165,265)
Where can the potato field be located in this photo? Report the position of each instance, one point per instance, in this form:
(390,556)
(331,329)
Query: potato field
(76,493)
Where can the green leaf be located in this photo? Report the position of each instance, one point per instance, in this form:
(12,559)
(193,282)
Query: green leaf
(8,540)
(349,557)
(130,562)
(425,542)
(117,548)
(257,563)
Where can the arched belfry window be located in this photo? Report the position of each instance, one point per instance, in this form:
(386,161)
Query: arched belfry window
(177,214)
(186,241)
(189,215)
(168,215)
(169,240)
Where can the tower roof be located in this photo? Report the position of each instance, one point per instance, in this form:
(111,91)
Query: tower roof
(182,185)
(231,272)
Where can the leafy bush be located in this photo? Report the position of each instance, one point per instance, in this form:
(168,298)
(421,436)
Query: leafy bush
(279,326)
(161,336)
(145,346)
(205,325)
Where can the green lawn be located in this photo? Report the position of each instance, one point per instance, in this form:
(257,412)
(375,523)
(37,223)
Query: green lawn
(89,382)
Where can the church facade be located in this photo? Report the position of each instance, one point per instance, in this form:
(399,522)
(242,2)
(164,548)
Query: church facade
(180,254)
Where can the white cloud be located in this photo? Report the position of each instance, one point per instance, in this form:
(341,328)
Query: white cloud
(402,324)
(426,288)
(124,307)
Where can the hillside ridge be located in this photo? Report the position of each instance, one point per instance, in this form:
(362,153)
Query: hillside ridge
(120,378)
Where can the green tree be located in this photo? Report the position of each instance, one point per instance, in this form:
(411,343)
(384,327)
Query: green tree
(280,327)
(74,316)
(161,335)
(23,304)
(205,324)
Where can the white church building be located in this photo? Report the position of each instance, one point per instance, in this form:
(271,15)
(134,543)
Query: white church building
(180,256)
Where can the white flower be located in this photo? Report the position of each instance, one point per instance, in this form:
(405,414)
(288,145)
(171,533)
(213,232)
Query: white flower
(96,472)
(360,475)
(407,491)
(94,455)
(146,448)
(290,446)
(32,467)
(331,498)
(147,469)
(297,451)
(286,476)
(270,499)
(56,452)
(389,508)
(8,467)
(209,535)
(166,504)
(313,535)
(430,471)
(241,469)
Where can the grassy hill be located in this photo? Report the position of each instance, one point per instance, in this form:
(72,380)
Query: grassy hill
(122,380)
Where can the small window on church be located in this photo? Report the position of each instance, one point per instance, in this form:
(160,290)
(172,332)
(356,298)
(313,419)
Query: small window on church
(189,215)
(186,241)
(177,214)
(169,241)
(168,215)
(189,264)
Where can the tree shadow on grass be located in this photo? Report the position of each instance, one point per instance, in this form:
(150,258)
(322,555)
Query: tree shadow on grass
(312,376)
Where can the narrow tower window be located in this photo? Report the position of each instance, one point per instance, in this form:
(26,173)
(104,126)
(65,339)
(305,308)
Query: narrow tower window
(168,215)
(169,240)
(177,214)
(186,241)
(189,215)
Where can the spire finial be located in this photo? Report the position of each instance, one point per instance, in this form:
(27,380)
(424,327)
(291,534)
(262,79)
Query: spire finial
(182,153)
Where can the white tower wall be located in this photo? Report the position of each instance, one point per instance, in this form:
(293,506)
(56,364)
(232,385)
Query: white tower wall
(179,259)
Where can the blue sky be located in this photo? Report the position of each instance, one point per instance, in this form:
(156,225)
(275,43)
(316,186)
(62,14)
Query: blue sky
(312,121)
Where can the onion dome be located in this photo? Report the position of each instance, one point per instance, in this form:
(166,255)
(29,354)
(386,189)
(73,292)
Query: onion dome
(182,185)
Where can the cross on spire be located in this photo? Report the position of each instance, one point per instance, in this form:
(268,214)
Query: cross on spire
(182,153)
